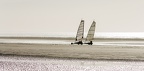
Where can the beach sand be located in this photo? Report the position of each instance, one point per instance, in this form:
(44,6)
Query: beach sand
(27,63)
(98,52)
(27,54)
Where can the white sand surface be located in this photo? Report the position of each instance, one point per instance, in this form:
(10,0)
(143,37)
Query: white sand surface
(25,63)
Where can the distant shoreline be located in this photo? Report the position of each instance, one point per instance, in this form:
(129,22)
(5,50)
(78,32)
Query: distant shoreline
(70,38)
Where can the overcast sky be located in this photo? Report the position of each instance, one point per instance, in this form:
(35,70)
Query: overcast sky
(42,16)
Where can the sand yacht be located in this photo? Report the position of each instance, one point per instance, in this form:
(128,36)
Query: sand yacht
(90,35)
(80,34)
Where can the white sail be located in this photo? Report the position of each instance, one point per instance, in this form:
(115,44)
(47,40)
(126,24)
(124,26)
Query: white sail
(91,32)
(80,31)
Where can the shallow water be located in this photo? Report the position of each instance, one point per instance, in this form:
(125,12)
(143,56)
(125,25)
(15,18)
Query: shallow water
(20,63)
(73,34)
(126,35)
(42,41)
(33,41)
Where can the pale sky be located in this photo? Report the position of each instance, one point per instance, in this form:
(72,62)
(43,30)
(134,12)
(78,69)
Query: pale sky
(43,16)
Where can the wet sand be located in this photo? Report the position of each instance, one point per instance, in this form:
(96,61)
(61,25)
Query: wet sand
(96,52)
